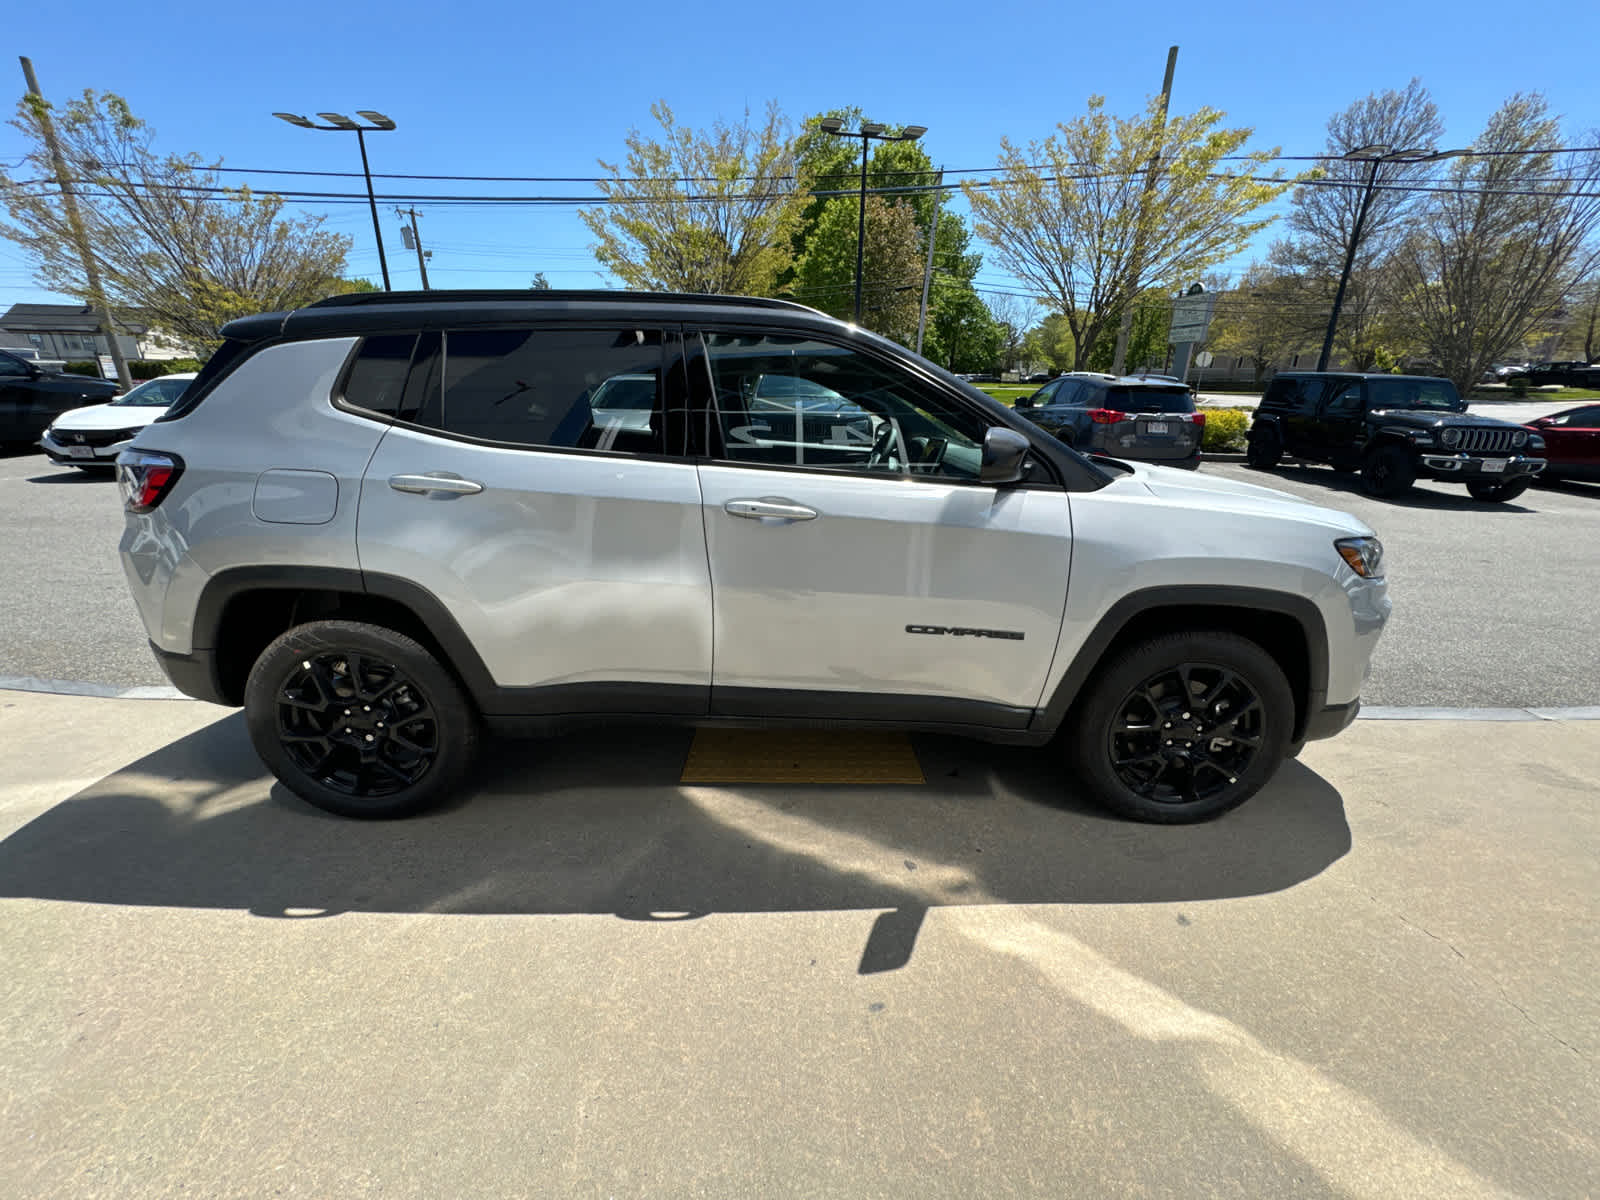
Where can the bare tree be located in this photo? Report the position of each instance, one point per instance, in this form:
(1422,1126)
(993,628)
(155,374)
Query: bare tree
(1496,252)
(1066,215)
(174,247)
(1354,212)
(701,211)
(1015,315)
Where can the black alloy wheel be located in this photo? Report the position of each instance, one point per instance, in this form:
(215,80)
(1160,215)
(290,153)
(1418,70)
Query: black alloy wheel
(359,720)
(1182,727)
(356,725)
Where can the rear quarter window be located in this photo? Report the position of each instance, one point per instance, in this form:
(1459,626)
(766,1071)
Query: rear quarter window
(376,379)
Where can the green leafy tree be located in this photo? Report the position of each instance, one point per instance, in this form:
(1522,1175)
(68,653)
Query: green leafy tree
(1051,343)
(962,333)
(1085,221)
(1495,254)
(1272,314)
(710,211)
(891,290)
(173,246)
(539,282)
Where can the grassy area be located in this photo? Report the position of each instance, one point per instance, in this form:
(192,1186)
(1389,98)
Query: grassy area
(1006,393)
(1559,395)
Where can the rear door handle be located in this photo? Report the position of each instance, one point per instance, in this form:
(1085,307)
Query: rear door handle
(754,510)
(433,482)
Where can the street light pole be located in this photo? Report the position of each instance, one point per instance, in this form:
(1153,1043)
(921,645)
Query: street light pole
(339,123)
(869,131)
(1374,156)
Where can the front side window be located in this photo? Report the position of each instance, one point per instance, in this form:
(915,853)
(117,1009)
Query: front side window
(1437,394)
(11,367)
(580,389)
(789,401)
(1346,401)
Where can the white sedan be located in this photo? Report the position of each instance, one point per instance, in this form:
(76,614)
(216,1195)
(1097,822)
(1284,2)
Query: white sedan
(93,436)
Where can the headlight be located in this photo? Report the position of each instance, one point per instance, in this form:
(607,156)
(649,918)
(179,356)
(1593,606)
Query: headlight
(1519,438)
(1450,437)
(1364,554)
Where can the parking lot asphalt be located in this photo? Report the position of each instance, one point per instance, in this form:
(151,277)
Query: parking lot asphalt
(1493,603)
(1375,979)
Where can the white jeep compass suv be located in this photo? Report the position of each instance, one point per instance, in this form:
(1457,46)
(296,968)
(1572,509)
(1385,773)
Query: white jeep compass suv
(389,521)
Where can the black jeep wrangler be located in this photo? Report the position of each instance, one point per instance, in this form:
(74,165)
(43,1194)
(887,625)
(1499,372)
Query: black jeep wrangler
(1393,429)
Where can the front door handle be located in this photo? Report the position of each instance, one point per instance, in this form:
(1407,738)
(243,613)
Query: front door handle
(783,510)
(423,484)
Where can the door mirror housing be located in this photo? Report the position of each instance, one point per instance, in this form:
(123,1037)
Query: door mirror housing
(1003,452)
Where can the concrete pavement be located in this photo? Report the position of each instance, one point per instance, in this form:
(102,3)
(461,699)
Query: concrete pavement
(1375,979)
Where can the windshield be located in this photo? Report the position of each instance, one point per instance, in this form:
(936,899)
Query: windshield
(1437,394)
(1163,400)
(154,393)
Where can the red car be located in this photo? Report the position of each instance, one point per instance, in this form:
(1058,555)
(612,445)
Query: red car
(1571,443)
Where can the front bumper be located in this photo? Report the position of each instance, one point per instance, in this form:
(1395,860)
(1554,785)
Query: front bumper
(70,454)
(1471,466)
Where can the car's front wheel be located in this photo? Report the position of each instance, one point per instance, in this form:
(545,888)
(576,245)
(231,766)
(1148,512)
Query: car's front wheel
(1497,491)
(359,720)
(1182,727)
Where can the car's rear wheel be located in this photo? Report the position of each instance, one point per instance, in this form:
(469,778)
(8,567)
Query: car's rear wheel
(359,720)
(1388,471)
(1498,491)
(1182,727)
(1264,449)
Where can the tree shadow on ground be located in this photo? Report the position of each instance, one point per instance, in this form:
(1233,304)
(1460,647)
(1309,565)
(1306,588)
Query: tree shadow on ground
(598,822)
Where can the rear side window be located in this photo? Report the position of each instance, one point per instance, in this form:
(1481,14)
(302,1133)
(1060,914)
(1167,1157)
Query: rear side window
(1162,400)
(581,389)
(377,377)
(1292,394)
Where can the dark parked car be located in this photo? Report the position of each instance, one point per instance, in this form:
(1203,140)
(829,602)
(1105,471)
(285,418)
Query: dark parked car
(1151,418)
(31,397)
(1393,429)
(1567,374)
(1571,443)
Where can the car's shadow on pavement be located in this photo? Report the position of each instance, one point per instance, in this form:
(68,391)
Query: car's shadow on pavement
(1455,499)
(75,475)
(598,822)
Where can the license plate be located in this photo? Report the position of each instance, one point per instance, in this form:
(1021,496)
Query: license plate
(1493,466)
(80,451)
(1155,427)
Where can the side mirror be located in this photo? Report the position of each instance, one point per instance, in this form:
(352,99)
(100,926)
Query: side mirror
(1003,452)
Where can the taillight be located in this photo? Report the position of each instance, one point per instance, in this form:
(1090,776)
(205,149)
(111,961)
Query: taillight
(145,477)
(1106,416)
(1195,418)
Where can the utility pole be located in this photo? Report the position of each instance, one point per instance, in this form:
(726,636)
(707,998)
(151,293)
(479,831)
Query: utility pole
(927,275)
(80,235)
(1119,361)
(412,236)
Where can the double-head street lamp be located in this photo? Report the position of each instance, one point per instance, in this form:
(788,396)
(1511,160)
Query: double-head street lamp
(870,131)
(1374,155)
(339,123)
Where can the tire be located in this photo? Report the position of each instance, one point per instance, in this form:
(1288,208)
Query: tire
(1264,450)
(1388,471)
(1497,492)
(1126,726)
(311,680)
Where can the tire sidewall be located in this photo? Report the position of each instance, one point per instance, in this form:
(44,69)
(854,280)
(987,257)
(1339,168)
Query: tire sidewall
(1264,449)
(1089,744)
(1399,477)
(455,719)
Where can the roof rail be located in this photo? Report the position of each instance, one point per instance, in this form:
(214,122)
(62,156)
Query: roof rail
(537,295)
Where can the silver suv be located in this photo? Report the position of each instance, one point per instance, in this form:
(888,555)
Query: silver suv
(386,522)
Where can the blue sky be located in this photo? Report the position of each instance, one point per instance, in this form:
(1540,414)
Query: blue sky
(482,88)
